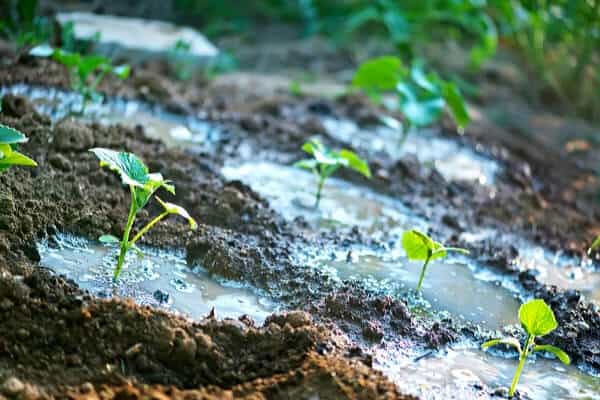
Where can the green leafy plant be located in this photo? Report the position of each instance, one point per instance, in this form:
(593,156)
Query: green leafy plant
(20,23)
(420,247)
(87,72)
(9,139)
(537,319)
(179,55)
(421,96)
(142,186)
(325,162)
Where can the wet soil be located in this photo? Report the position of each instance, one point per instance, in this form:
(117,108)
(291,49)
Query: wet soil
(58,340)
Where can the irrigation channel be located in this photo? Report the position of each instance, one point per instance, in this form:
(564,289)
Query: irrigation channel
(462,289)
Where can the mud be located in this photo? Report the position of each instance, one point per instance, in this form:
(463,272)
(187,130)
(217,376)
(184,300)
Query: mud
(59,340)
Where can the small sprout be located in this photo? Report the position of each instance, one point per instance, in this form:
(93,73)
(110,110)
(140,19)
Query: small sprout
(419,246)
(87,72)
(594,245)
(142,186)
(325,162)
(9,139)
(180,59)
(537,319)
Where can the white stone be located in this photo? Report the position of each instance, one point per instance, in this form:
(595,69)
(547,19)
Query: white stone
(137,38)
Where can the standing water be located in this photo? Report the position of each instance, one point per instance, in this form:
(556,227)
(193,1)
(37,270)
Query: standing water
(460,374)
(160,278)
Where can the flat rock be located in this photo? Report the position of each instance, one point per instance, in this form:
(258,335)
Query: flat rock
(138,39)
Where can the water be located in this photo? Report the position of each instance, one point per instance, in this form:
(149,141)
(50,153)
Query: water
(454,285)
(160,279)
(291,192)
(456,374)
(171,128)
(453,161)
(552,268)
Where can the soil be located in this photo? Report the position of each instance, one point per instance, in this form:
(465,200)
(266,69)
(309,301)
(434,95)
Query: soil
(58,341)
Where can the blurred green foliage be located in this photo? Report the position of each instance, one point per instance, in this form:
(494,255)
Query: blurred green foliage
(558,40)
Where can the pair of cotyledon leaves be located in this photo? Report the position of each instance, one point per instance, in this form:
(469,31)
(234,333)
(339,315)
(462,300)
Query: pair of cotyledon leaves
(9,138)
(325,161)
(422,97)
(537,319)
(134,173)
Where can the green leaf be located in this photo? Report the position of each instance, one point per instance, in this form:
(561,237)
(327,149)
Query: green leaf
(178,210)
(16,158)
(507,341)
(418,112)
(421,79)
(456,104)
(122,71)
(89,64)
(537,318)
(10,135)
(417,245)
(594,245)
(133,172)
(561,355)
(355,162)
(66,58)
(379,74)
(109,239)
(310,165)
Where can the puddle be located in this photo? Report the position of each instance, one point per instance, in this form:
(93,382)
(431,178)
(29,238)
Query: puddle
(453,286)
(560,270)
(455,374)
(291,192)
(453,161)
(552,268)
(160,279)
(171,128)
(458,287)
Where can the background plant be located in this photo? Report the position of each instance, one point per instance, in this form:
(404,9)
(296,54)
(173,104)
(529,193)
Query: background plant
(537,319)
(142,186)
(87,72)
(326,162)
(420,247)
(421,96)
(20,23)
(9,139)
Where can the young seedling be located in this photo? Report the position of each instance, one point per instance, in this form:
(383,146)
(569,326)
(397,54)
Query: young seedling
(9,139)
(419,246)
(594,245)
(142,186)
(325,162)
(87,72)
(537,319)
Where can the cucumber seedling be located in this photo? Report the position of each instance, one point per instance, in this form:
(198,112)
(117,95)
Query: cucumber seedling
(87,72)
(421,96)
(325,162)
(142,185)
(419,246)
(537,319)
(9,139)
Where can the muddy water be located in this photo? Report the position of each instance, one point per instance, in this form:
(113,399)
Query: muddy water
(457,287)
(453,286)
(291,192)
(171,128)
(159,279)
(460,373)
(453,161)
(552,268)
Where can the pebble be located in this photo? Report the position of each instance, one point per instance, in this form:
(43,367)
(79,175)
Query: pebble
(12,386)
